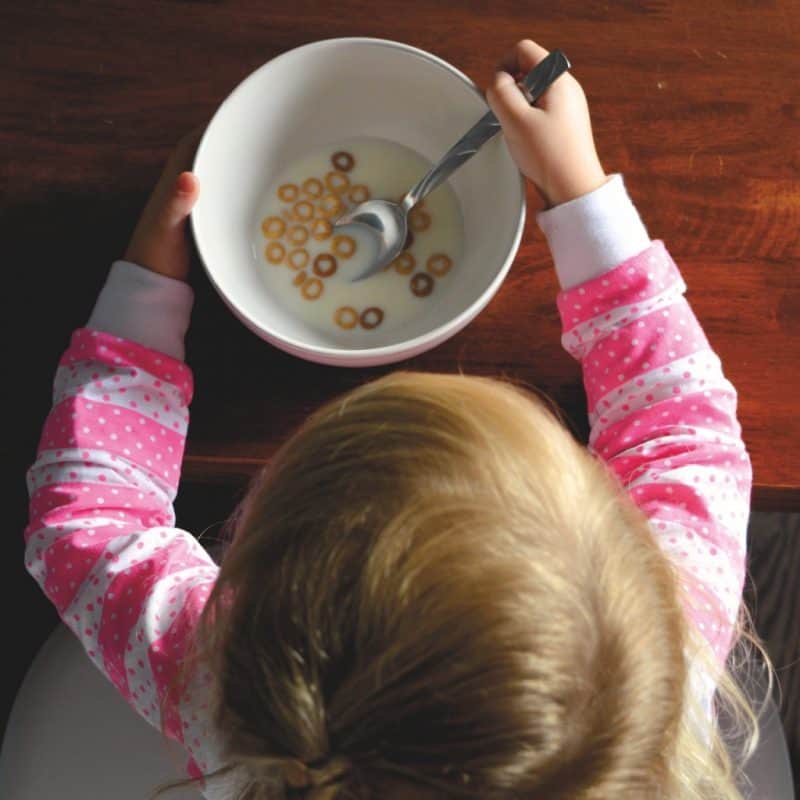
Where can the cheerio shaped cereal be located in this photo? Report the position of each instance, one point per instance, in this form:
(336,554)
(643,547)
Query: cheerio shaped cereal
(321,229)
(303,210)
(288,192)
(439,264)
(358,193)
(404,263)
(346,317)
(329,206)
(298,258)
(344,246)
(337,181)
(325,265)
(273,227)
(298,234)
(343,161)
(299,279)
(421,284)
(312,288)
(419,220)
(371,317)
(313,187)
(275,252)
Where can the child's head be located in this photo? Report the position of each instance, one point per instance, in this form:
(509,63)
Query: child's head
(435,591)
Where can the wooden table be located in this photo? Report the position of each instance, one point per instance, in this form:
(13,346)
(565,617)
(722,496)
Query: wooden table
(695,103)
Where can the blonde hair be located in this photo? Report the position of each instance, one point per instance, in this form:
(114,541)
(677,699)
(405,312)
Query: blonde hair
(434,590)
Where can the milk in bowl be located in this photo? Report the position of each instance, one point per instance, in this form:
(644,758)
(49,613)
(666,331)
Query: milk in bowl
(308,267)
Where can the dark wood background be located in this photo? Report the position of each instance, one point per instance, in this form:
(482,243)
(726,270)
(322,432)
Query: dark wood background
(695,103)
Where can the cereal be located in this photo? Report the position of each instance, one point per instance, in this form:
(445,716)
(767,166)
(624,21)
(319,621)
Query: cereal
(296,230)
(325,265)
(298,234)
(359,193)
(419,220)
(273,227)
(275,252)
(329,206)
(344,246)
(439,264)
(298,258)
(313,187)
(404,263)
(346,317)
(421,284)
(343,161)
(337,181)
(311,289)
(321,229)
(371,317)
(303,210)
(288,192)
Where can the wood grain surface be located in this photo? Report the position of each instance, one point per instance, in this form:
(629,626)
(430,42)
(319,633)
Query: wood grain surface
(695,103)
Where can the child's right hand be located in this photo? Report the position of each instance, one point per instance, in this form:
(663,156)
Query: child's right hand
(551,141)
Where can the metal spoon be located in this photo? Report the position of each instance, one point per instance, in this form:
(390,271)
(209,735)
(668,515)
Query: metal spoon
(389,221)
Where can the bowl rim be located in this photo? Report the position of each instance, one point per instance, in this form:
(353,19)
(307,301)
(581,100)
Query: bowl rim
(385,353)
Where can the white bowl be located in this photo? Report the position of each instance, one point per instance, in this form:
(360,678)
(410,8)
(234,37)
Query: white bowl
(322,93)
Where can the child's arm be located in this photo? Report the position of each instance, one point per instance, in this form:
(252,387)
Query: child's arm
(662,414)
(101,541)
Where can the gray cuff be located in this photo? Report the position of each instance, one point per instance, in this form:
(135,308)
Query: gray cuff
(593,233)
(145,307)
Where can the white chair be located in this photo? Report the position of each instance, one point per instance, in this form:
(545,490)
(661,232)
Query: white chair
(71,736)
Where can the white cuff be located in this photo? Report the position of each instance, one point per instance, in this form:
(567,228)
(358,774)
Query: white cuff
(145,307)
(593,233)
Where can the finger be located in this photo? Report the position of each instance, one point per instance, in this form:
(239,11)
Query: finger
(183,196)
(508,103)
(524,56)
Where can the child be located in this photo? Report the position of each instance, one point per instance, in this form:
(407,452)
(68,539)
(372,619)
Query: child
(432,591)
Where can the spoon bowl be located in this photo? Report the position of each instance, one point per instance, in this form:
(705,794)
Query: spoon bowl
(388,221)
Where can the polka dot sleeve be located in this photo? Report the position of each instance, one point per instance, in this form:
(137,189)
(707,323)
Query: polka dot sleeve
(663,417)
(101,540)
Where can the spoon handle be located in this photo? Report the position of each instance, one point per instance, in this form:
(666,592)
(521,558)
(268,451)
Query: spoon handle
(533,85)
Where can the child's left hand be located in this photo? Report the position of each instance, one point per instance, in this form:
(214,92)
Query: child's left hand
(160,241)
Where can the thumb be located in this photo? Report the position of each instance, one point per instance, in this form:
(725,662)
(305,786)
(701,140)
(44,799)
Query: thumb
(183,195)
(509,104)
(159,241)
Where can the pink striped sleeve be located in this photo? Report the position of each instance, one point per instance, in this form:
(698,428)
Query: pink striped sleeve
(101,541)
(663,417)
